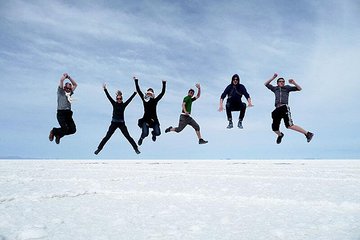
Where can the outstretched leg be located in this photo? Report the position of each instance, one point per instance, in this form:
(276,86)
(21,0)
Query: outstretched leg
(126,134)
(110,132)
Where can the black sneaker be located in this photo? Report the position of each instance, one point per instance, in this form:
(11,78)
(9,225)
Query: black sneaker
(309,136)
(230,125)
(57,139)
(140,141)
(137,151)
(153,138)
(97,151)
(202,141)
(168,129)
(279,138)
(240,125)
(51,136)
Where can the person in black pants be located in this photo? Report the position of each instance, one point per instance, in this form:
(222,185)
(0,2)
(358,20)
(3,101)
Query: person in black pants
(149,119)
(64,113)
(117,120)
(234,92)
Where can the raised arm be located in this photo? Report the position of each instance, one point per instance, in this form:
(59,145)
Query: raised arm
(108,95)
(73,82)
(136,80)
(162,90)
(292,81)
(62,79)
(271,79)
(199,90)
(130,98)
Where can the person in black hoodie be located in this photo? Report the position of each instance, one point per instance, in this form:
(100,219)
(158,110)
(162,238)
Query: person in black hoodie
(117,120)
(234,91)
(149,119)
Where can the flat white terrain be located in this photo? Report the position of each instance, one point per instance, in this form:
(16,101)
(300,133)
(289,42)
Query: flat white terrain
(180,199)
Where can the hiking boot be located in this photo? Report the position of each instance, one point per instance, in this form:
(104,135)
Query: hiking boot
(140,141)
(51,136)
(57,139)
(97,151)
(137,151)
(202,141)
(168,129)
(309,136)
(279,138)
(240,124)
(230,125)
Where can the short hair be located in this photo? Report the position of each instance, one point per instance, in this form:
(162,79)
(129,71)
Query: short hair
(191,90)
(280,79)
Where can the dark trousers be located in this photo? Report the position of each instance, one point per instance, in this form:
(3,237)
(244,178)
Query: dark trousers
(231,106)
(67,124)
(145,130)
(110,132)
(279,113)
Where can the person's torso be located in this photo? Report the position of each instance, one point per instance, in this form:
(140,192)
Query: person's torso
(188,102)
(62,100)
(118,112)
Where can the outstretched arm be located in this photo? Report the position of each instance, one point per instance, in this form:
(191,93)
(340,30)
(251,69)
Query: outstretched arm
(130,98)
(292,81)
(136,80)
(271,79)
(162,90)
(107,94)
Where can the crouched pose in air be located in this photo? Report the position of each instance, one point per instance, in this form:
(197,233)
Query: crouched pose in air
(117,120)
(64,113)
(234,91)
(282,109)
(149,119)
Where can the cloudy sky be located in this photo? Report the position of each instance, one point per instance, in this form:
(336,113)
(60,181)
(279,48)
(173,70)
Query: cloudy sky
(184,42)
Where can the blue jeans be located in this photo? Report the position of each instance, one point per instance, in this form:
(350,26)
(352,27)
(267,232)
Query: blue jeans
(145,130)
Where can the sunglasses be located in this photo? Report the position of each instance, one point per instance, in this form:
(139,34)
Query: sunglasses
(281,81)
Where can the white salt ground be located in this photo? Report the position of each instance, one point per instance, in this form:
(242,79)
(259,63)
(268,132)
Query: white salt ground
(180,199)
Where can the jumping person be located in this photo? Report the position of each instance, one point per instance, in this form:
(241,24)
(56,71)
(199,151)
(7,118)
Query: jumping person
(185,118)
(117,120)
(64,113)
(149,119)
(282,109)
(234,91)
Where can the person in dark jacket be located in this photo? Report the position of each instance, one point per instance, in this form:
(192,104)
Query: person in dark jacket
(282,109)
(149,119)
(234,92)
(64,113)
(117,120)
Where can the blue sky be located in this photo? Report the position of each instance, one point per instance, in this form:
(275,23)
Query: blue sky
(184,42)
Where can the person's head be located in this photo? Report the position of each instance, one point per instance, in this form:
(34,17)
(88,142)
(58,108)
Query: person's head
(119,96)
(191,92)
(150,93)
(235,79)
(280,82)
(68,87)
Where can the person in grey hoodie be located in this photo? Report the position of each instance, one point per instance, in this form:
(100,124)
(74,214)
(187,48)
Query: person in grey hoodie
(282,109)
(234,92)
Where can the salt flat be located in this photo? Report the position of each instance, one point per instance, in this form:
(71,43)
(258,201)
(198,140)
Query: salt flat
(180,199)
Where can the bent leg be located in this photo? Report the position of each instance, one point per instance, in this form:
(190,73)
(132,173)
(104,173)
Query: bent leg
(242,111)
